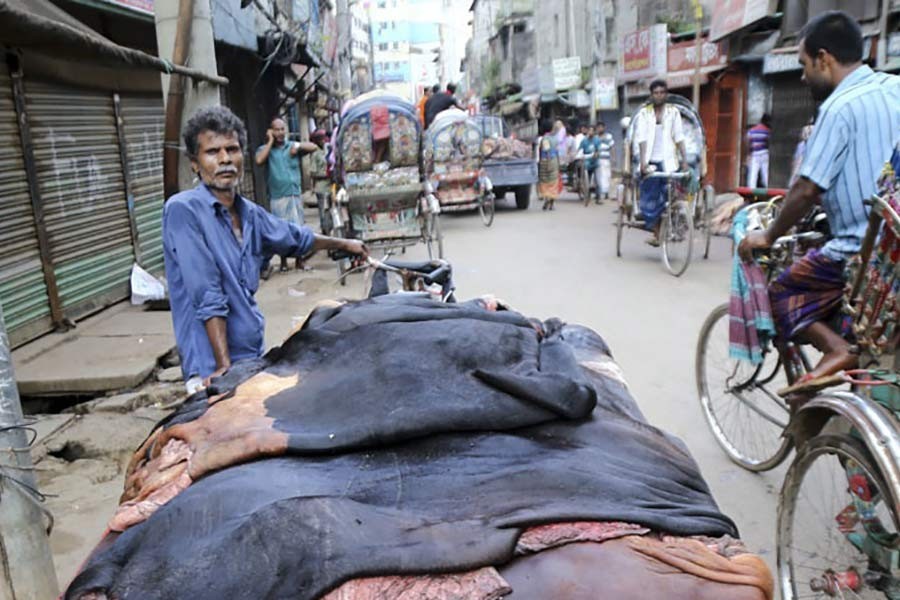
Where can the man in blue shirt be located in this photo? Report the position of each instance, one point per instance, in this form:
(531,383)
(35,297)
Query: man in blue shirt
(214,242)
(857,127)
(281,158)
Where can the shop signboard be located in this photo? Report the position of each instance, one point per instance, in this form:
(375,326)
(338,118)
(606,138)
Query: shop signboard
(729,16)
(642,53)
(566,73)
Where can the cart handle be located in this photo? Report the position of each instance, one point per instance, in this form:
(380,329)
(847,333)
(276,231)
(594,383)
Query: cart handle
(675,175)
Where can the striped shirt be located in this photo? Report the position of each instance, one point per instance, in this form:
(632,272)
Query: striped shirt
(758,138)
(855,133)
(606,145)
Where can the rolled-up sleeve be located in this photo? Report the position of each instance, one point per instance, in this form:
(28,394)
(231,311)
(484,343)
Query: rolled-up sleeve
(640,128)
(826,150)
(282,237)
(201,276)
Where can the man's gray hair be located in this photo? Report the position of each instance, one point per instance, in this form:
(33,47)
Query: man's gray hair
(218,119)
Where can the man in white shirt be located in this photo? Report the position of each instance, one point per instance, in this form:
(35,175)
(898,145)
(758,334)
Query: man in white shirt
(658,133)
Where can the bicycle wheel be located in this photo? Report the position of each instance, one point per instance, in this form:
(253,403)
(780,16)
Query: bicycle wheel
(837,530)
(677,234)
(744,415)
(434,239)
(486,209)
(343,265)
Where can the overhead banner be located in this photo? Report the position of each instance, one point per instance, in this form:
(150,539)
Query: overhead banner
(729,16)
(567,73)
(642,53)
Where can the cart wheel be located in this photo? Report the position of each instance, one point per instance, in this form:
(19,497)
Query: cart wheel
(677,233)
(744,415)
(486,207)
(708,196)
(837,525)
(434,238)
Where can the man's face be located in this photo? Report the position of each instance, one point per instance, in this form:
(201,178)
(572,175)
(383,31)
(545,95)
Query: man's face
(590,132)
(817,73)
(279,131)
(658,95)
(219,161)
(601,129)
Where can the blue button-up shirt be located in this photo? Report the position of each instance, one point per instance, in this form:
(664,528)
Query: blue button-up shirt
(854,135)
(211,274)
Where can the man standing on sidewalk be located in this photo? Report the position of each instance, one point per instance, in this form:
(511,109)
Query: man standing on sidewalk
(758,143)
(214,242)
(282,161)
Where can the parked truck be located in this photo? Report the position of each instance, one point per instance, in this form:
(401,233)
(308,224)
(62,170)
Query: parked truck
(507,173)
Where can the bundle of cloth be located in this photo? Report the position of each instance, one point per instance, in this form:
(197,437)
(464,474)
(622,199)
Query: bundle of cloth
(505,148)
(403,448)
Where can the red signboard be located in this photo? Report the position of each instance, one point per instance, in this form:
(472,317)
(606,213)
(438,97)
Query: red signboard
(643,53)
(683,56)
(636,48)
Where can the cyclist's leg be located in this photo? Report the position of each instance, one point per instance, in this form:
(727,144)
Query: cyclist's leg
(804,297)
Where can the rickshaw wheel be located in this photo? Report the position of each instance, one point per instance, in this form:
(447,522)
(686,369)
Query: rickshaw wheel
(343,265)
(835,518)
(486,207)
(620,228)
(677,237)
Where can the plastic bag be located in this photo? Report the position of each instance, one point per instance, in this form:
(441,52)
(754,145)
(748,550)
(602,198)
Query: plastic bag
(145,287)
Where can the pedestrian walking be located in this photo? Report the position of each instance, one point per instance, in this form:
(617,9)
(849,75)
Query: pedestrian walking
(214,244)
(281,158)
(605,144)
(549,182)
(589,151)
(758,143)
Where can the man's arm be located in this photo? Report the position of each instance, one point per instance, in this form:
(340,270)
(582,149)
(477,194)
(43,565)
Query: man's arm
(262,155)
(288,239)
(201,276)
(305,147)
(802,196)
(216,331)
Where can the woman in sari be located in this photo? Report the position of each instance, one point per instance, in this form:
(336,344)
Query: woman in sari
(548,169)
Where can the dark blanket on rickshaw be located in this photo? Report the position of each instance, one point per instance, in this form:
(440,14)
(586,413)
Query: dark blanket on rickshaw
(416,437)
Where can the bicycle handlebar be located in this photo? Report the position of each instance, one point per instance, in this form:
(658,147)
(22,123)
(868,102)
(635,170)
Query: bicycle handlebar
(675,175)
(807,236)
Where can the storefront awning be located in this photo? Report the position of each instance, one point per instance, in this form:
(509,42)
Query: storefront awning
(42,26)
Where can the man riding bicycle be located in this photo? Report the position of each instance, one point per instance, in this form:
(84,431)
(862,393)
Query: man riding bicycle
(857,127)
(658,133)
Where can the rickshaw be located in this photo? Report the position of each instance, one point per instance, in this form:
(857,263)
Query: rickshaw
(689,207)
(379,195)
(453,160)
(838,527)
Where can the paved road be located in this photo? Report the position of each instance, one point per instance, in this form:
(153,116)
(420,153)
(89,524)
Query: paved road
(563,264)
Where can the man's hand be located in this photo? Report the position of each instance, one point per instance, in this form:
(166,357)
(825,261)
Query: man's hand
(645,169)
(683,167)
(270,137)
(356,248)
(217,373)
(755,240)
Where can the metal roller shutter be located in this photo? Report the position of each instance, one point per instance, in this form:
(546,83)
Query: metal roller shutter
(792,106)
(23,293)
(83,194)
(143,120)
